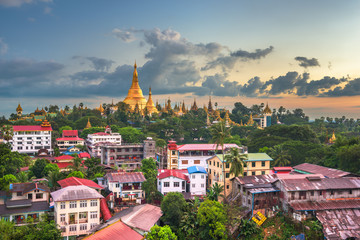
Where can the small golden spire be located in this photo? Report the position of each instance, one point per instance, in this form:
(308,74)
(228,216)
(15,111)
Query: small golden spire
(88,125)
(251,120)
(267,110)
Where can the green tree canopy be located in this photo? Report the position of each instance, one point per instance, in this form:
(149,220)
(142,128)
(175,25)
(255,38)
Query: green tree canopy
(77,174)
(38,167)
(161,233)
(131,135)
(6,180)
(50,168)
(173,206)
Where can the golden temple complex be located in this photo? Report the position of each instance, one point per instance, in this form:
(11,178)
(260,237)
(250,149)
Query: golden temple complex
(135,95)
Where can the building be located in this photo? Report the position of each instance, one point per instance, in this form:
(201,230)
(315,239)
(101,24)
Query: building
(256,164)
(96,140)
(191,182)
(30,139)
(69,138)
(74,181)
(76,209)
(127,155)
(187,155)
(265,119)
(257,193)
(24,200)
(308,168)
(117,230)
(125,186)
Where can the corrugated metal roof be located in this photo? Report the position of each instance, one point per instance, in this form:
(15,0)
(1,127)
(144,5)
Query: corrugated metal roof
(74,181)
(340,224)
(27,187)
(115,231)
(328,172)
(35,206)
(251,157)
(205,147)
(125,177)
(178,173)
(196,169)
(320,184)
(142,217)
(21,128)
(325,205)
(257,179)
(73,193)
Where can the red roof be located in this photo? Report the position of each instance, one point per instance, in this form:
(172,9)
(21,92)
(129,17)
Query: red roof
(64,157)
(18,128)
(74,181)
(70,139)
(70,133)
(105,212)
(118,231)
(178,173)
(63,165)
(101,133)
(84,155)
(204,147)
(281,170)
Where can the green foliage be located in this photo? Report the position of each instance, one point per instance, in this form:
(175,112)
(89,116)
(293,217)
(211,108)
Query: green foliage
(236,161)
(77,174)
(212,219)
(53,177)
(173,206)
(93,167)
(149,169)
(248,229)
(38,167)
(280,155)
(50,168)
(189,225)
(6,180)
(214,192)
(95,122)
(349,158)
(131,135)
(64,128)
(91,130)
(160,233)
(10,162)
(22,177)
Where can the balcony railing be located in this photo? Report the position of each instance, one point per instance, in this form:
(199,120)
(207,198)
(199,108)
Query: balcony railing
(131,188)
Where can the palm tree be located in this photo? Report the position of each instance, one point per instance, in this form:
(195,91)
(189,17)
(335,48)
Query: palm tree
(22,177)
(236,160)
(77,165)
(219,133)
(214,192)
(53,177)
(280,155)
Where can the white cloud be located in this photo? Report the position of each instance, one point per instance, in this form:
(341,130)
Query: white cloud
(47,10)
(19,3)
(124,35)
(3,47)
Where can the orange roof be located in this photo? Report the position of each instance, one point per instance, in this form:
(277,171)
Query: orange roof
(118,231)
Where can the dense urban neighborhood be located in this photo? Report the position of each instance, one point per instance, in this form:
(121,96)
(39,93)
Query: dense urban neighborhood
(140,170)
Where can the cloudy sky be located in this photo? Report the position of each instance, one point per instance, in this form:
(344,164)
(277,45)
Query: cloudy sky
(288,53)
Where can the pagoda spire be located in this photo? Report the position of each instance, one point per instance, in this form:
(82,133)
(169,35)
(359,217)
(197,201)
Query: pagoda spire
(194,106)
(150,104)
(210,107)
(88,125)
(183,107)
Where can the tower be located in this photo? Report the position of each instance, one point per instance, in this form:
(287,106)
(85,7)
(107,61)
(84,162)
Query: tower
(135,94)
(19,110)
(150,104)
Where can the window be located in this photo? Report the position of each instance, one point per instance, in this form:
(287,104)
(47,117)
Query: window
(350,191)
(196,161)
(245,173)
(73,204)
(83,203)
(93,215)
(253,164)
(83,227)
(176,184)
(217,164)
(185,162)
(320,193)
(202,185)
(173,152)
(92,225)
(227,186)
(262,172)
(117,185)
(82,215)
(312,193)
(193,185)
(19,194)
(72,228)
(93,203)
(227,175)
(62,217)
(166,184)
(253,173)
(209,162)
(62,205)
(202,176)
(193,176)
(331,192)
(30,196)
(210,171)
(39,196)
(227,165)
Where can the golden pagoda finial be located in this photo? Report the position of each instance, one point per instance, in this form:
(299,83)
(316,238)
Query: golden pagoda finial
(151,108)
(267,110)
(251,120)
(333,138)
(88,125)
(194,106)
(183,107)
(45,123)
(19,110)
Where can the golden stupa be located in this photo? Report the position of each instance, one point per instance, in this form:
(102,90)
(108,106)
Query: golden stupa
(135,95)
(150,104)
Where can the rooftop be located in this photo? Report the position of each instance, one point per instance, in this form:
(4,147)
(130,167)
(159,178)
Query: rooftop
(125,177)
(307,168)
(74,181)
(307,184)
(70,133)
(204,147)
(26,128)
(35,206)
(178,173)
(250,157)
(27,187)
(196,169)
(64,157)
(118,231)
(75,193)
(256,179)
(325,205)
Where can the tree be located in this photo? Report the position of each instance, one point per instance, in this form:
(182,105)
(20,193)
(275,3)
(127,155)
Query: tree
(22,177)
(173,206)
(53,178)
(189,225)
(93,167)
(219,133)
(77,174)
(160,233)
(38,167)
(64,128)
(77,165)
(131,135)
(248,229)
(50,168)
(214,192)
(236,161)
(6,180)
(280,155)
(7,132)
(212,219)
(149,169)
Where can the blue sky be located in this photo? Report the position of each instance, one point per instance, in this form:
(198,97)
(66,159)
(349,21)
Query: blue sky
(291,53)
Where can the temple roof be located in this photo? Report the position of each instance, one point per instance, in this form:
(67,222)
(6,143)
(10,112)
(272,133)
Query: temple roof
(135,94)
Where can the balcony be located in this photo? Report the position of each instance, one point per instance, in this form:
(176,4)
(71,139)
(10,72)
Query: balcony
(134,187)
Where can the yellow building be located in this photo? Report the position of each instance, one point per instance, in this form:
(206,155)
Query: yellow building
(256,164)
(135,95)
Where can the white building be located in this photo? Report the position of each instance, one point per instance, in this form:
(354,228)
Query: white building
(76,209)
(191,181)
(187,155)
(30,139)
(96,140)
(69,138)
